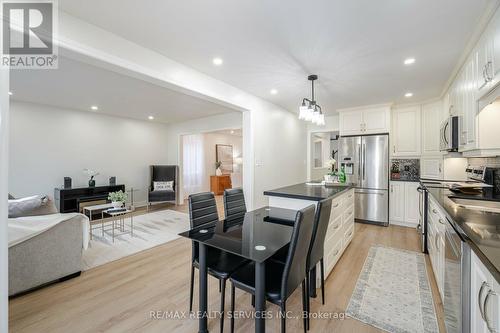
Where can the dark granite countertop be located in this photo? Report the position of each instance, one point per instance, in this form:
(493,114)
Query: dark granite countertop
(480,229)
(416,180)
(309,192)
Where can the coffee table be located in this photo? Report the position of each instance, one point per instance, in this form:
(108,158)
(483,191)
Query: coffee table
(117,219)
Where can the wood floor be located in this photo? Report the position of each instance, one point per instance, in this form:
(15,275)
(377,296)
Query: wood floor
(121,296)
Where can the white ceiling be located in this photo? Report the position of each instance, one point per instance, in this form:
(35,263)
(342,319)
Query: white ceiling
(76,85)
(356,47)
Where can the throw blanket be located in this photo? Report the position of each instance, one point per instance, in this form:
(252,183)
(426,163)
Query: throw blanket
(23,228)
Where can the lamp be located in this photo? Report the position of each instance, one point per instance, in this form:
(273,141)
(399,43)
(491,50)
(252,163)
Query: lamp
(309,110)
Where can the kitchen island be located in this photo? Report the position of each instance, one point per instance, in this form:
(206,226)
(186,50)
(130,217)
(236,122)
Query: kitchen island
(341,227)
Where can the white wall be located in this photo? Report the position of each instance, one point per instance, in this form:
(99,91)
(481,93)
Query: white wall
(317,173)
(47,144)
(212,139)
(202,125)
(4,149)
(331,125)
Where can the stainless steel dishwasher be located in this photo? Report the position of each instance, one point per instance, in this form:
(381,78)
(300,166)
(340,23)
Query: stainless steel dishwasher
(456,281)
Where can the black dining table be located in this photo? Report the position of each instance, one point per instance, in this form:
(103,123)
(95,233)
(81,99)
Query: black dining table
(257,235)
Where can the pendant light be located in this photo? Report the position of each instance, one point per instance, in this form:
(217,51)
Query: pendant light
(309,110)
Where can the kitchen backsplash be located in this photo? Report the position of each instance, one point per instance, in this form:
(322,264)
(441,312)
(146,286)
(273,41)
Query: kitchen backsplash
(487,161)
(405,169)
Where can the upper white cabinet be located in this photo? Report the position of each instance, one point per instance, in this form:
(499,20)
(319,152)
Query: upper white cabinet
(431,167)
(432,116)
(364,120)
(485,65)
(405,134)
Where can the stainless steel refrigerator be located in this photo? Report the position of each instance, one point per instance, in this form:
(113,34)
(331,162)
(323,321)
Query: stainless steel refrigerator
(366,163)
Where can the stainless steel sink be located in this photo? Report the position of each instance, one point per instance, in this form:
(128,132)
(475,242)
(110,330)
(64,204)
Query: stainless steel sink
(482,205)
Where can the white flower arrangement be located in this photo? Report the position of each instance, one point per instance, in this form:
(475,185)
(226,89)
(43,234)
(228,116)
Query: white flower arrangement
(330,164)
(90,173)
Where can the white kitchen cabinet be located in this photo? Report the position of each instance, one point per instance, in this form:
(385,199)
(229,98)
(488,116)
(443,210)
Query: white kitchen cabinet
(397,201)
(403,203)
(412,199)
(406,131)
(351,123)
(436,233)
(485,66)
(365,120)
(431,167)
(485,299)
(432,117)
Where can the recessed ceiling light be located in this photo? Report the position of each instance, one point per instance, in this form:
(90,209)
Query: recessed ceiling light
(151,118)
(217,61)
(10,93)
(232,132)
(273,91)
(93,107)
(408,94)
(409,61)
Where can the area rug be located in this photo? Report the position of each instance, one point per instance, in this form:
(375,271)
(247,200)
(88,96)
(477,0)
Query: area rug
(393,292)
(150,230)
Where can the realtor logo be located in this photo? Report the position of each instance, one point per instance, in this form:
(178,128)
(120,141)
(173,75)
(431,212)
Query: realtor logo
(28,29)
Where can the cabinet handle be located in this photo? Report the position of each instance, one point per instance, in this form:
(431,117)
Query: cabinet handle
(434,211)
(336,252)
(491,329)
(392,188)
(439,168)
(336,205)
(349,234)
(441,221)
(489,64)
(335,227)
(479,295)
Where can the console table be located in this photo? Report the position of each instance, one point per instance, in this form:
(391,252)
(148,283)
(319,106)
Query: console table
(219,183)
(68,200)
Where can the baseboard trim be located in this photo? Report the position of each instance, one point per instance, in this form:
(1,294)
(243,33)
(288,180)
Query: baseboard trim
(403,224)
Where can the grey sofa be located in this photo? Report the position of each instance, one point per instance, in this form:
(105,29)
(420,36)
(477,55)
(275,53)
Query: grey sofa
(163,173)
(51,256)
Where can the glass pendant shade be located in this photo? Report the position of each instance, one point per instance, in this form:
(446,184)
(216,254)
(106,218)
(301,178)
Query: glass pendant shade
(309,114)
(321,120)
(303,112)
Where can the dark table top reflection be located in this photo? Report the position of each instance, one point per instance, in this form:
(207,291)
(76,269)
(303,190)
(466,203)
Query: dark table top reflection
(257,235)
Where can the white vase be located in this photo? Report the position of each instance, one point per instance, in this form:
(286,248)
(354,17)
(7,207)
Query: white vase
(218,172)
(117,204)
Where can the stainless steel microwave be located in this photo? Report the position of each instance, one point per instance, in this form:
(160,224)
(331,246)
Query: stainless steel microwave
(449,134)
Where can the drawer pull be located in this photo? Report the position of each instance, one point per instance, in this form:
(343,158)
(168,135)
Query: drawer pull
(479,296)
(350,196)
(336,226)
(336,205)
(434,211)
(441,221)
(349,234)
(336,252)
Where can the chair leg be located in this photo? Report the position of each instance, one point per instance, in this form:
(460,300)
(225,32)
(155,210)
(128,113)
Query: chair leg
(283,317)
(191,289)
(220,285)
(305,314)
(232,307)
(308,301)
(253,301)
(222,301)
(322,281)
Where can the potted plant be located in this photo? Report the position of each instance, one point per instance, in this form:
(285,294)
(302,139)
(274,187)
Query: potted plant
(91,174)
(330,177)
(218,171)
(117,198)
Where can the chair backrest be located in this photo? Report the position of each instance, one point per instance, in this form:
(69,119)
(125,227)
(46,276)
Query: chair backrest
(202,210)
(321,221)
(234,202)
(163,173)
(295,264)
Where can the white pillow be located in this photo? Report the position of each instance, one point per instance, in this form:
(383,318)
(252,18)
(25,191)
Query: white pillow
(163,186)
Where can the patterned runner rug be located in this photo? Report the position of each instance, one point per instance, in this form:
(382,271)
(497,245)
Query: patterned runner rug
(393,292)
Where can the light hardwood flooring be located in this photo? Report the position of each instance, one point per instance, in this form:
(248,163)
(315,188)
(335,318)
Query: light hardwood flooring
(120,296)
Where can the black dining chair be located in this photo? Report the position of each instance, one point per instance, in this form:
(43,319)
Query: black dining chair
(234,202)
(282,279)
(220,264)
(317,247)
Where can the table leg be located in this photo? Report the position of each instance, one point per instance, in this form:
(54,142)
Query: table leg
(102,224)
(132,225)
(260,297)
(203,289)
(90,222)
(312,283)
(113,230)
